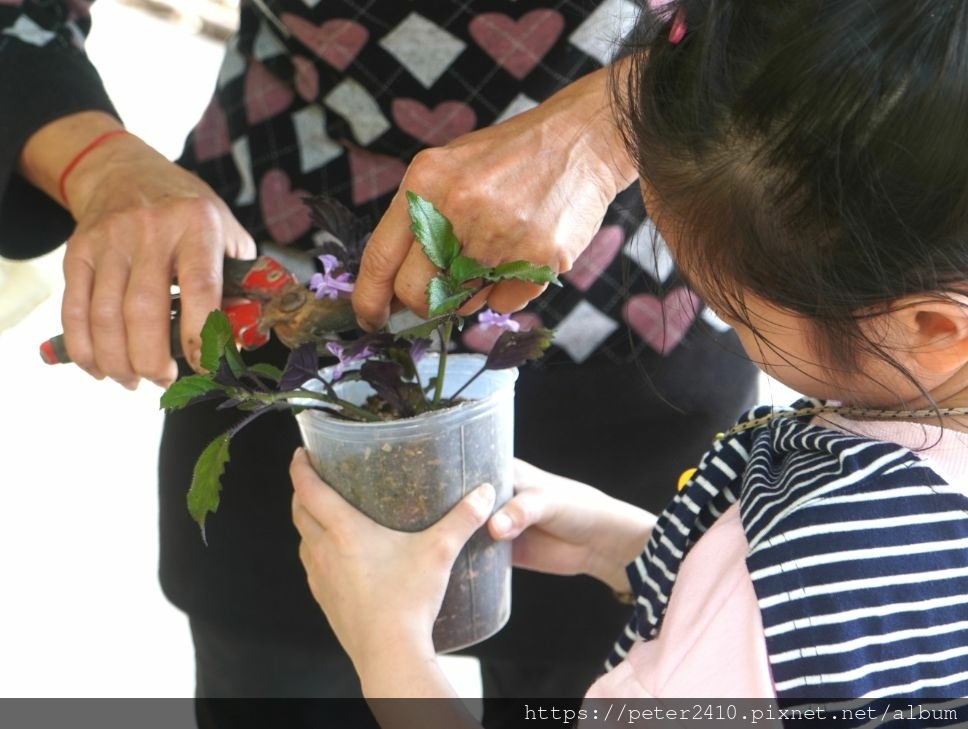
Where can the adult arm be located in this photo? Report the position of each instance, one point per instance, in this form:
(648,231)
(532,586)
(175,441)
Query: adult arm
(44,75)
(534,187)
(142,222)
(134,221)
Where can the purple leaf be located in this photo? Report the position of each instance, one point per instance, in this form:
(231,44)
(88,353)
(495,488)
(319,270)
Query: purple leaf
(403,398)
(303,365)
(513,349)
(331,216)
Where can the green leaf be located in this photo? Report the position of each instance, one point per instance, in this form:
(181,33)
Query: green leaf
(525,271)
(464,269)
(433,230)
(203,495)
(218,341)
(443,297)
(184,391)
(267,370)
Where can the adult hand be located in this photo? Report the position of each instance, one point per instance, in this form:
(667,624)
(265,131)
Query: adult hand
(361,572)
(565,527)
(142,223)
(534,187)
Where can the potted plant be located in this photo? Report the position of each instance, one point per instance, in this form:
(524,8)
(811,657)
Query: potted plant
(392,420)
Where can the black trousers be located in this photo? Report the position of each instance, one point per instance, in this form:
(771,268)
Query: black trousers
(248,681)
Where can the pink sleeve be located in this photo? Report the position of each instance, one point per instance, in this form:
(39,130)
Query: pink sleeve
(711,644)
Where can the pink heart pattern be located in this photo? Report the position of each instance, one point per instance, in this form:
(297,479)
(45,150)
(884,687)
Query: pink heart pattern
(435,126)
(662,322)
(518,46)
(478,339)
(211,134)
(596,258)
(306,79)
(337,42)
(373,174)
(285,214)
(265,95)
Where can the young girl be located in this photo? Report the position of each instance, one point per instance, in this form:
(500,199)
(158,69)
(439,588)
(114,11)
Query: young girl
(807,163)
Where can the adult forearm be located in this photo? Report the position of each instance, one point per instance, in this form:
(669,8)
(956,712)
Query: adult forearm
(49,151)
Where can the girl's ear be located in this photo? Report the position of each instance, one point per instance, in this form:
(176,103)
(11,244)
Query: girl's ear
(932,333)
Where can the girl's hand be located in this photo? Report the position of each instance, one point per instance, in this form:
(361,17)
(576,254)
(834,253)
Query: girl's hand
(565,527)
(381,589)
(534,187)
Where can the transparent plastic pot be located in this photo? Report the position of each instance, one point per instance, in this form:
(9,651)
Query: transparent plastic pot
(406,474)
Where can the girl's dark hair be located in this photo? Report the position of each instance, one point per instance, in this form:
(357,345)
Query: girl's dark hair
(812,152)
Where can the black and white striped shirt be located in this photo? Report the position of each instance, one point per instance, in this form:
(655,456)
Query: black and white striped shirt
(857,552)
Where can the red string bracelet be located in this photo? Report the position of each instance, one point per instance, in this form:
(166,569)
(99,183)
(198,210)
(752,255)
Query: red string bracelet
(81,155)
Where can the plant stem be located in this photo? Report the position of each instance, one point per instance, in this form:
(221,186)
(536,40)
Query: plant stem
(445,332)
(361,413)
(466,384)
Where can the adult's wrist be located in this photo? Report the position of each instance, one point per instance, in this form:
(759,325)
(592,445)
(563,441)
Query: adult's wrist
(603,135)
(53,147)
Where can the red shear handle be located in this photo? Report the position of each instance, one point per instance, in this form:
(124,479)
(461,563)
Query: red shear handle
(244,317)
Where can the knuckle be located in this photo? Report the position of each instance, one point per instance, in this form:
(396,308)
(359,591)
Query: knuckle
(104,314)
(378,262)
(201,279)
(443,550)
(144,307)
(423,164)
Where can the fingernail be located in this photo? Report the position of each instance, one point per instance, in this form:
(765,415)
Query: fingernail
(484,495)
(501,523)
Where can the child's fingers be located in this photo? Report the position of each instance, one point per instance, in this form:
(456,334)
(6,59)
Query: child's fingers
(523,510)
(457,526)
(313,494)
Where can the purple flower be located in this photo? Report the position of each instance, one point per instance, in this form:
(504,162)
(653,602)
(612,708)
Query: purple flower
(488,319)
(347,355)
(418,348)
(325,284)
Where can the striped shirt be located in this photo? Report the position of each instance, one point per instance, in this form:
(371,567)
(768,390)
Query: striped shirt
(856,554)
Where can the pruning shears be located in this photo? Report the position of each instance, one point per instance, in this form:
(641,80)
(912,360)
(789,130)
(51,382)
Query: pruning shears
(264,295)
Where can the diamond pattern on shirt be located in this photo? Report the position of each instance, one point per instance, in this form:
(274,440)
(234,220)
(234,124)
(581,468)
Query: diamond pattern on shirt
(582,330)
(648,250)
(267,43)
(243,165)
(617,15)
(366,92)
(520,103)
(424,48)
(316,147)
(28,31)
(233,64)
(355,104)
